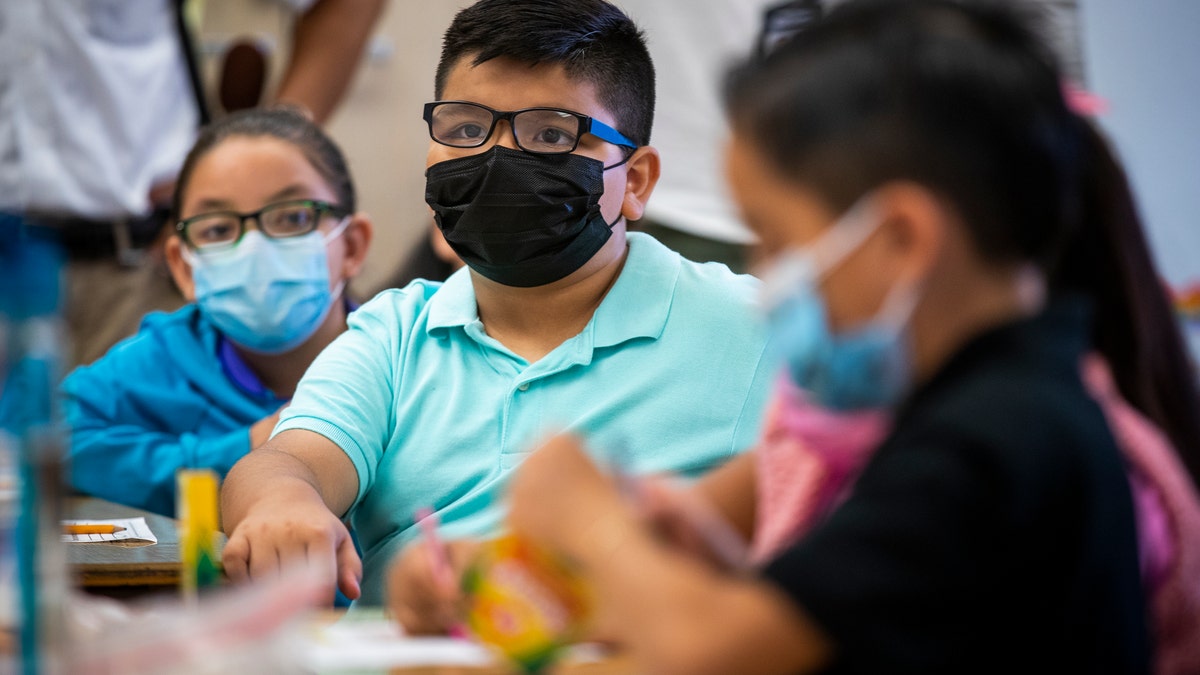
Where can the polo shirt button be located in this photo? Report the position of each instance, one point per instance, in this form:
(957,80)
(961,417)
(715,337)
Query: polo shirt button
(524,386)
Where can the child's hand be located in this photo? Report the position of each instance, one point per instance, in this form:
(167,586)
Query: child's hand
(286,531)
(417,599)
(560,499)
(682,517)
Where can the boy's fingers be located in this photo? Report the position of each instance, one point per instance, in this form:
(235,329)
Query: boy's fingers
(234,558)
(349,568)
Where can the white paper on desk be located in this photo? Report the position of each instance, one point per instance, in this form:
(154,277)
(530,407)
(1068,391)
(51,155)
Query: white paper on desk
(359,643)
(136,533)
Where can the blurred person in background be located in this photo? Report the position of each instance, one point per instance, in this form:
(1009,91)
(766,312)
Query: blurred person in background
(99,102)
(692,44)
(431,258)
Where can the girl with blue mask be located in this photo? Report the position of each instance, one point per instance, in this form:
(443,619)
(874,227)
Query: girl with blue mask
(863,367)
(267,237)
(266,295)
(944,240)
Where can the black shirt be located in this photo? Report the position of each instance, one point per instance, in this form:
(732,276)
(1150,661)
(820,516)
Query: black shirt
(992,532)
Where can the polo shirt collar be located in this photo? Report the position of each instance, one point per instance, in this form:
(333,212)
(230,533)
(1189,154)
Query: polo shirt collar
(454,303)
(638,303)
(636,306)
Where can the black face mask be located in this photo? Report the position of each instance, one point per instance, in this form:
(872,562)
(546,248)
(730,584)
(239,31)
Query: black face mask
(520,219)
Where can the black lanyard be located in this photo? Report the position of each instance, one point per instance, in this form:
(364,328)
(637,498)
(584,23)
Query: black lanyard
(187,44)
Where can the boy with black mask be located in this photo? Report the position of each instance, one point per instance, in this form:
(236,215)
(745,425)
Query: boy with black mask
(560,321)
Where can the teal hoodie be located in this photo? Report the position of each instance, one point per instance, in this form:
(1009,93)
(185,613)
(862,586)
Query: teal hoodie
(157,402)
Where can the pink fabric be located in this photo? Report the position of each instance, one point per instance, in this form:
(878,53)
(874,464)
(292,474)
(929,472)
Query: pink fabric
(1156,542)
(1083,102)
(1168,511)
(808,459)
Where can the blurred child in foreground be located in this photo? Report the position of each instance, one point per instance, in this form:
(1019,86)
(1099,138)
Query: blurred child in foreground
(941,231)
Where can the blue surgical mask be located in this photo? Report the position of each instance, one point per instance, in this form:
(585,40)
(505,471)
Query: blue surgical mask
(267,295)
(867,366)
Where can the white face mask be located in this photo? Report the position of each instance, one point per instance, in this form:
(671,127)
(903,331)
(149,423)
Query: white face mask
(267,295)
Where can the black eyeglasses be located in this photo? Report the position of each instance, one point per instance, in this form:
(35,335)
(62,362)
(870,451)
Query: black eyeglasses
(280,220)
(543,131)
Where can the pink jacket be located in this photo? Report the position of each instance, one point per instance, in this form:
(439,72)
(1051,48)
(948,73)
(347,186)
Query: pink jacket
(1168,511)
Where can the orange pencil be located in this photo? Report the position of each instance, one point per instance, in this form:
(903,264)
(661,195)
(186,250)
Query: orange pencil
(83,528)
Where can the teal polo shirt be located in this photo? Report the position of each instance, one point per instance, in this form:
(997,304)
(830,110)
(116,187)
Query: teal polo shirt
(670,374)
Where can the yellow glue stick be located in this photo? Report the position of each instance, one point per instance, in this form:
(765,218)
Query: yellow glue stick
(196,507)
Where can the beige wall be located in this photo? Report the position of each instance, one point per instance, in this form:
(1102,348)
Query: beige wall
(379,124)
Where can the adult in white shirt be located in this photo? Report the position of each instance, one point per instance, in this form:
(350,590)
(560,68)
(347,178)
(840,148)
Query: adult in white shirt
(96,113)
(693,43)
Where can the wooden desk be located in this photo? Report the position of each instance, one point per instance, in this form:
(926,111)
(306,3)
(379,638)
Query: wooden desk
(104,566)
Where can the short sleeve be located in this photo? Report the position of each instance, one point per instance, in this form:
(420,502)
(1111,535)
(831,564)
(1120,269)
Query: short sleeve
(346,395)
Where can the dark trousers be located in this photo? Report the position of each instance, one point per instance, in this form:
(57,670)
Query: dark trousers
(110,281)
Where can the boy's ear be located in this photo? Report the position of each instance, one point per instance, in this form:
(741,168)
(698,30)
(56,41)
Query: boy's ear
(181,272)
(357,240)
(641,175)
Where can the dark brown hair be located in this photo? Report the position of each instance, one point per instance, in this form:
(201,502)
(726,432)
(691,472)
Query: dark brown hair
(593,40)
(966,98)
(282,122)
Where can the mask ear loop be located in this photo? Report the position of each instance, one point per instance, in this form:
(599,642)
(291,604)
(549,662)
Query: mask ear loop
(330,236)
(338,230)
(811,263)
(189,256)
(844,236)
(632,152)
(792,269)
(858,223)
(898,306)
(337,291)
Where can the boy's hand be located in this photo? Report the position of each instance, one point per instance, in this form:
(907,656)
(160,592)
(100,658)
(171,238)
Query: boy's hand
(417,598)
(285,531)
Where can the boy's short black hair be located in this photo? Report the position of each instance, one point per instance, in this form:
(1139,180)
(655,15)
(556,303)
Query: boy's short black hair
(593,40)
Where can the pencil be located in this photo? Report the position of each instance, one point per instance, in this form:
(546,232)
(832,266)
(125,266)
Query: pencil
(443,573)
(96,528)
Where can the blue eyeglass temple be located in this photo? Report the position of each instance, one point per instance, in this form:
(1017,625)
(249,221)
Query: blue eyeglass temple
(606,133)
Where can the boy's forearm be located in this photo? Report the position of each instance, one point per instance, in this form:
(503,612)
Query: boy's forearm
(294,465)
(263,474)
